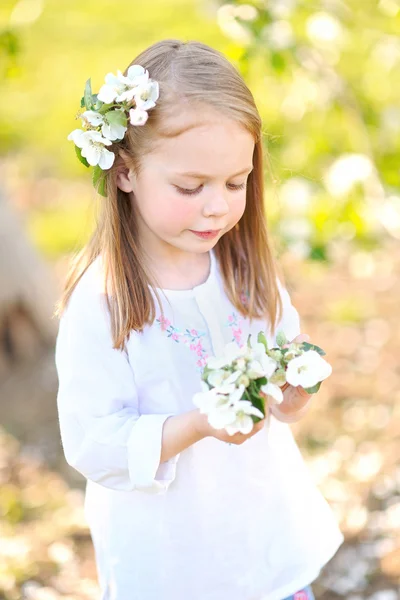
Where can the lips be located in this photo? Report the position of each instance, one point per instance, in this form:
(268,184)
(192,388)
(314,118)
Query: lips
(206,234)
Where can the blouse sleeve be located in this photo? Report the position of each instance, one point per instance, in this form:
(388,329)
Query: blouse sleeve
(103,435)
(290,320)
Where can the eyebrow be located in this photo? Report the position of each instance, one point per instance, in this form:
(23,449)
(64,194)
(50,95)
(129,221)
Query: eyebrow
(203,176)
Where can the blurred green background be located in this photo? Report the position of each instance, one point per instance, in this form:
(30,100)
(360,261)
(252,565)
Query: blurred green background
(325,75)
(325,80)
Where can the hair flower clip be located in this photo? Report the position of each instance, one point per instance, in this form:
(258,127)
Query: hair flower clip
(121,100)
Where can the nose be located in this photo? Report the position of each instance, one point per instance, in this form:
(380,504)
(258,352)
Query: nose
(216,205)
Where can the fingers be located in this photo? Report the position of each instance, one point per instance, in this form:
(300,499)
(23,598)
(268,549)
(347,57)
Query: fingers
(302,391)
(240,438)
(302,337)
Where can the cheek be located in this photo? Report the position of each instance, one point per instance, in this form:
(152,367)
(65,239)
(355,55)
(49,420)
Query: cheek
(181,208)
(163,210)
(238,207)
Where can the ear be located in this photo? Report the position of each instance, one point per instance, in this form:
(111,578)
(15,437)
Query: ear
(125,176)
(125,179)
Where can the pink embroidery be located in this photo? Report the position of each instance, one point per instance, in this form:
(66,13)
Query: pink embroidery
(164,323)
(235,322)
(244,297)
(301,595)
(190,337)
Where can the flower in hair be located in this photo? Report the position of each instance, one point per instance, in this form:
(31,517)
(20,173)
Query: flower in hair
(121,88)
(92,145)
(121,100)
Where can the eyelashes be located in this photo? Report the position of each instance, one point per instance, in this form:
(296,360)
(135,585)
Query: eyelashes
(187,192)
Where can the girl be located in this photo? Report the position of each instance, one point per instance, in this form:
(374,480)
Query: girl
(179,265)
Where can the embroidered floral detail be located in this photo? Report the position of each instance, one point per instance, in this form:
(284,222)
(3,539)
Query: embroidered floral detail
(244,297)
(235,322)
(189,337)
(164,323)
(301,595)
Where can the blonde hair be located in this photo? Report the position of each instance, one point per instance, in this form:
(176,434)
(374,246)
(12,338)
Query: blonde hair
(194,73)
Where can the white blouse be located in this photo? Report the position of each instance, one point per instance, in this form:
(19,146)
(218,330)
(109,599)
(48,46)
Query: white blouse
(215,522)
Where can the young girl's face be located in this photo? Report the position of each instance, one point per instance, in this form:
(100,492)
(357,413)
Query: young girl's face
(192,187)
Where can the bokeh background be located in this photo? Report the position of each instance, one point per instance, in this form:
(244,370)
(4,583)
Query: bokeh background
(325,75)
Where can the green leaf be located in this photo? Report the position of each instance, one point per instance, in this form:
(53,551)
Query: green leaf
(205,374)
(81,158)
(314,388)
(308,346)
(259,403)
(105,108)
(99,180)
(281,338)
(248,340)
(117,117)
(261,339)
(97,104)
(88,95)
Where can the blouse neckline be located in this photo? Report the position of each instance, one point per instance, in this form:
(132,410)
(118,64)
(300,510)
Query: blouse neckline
(192,292)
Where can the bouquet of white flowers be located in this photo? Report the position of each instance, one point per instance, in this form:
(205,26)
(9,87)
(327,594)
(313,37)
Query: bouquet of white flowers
(237,385)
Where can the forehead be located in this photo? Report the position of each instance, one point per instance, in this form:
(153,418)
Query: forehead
(204,140)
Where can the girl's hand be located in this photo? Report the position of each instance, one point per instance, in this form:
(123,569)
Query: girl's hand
(205,430)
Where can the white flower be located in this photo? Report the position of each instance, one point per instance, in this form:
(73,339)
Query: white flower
(293,350)
(123,88)
(243,422)
(92,117)
(135,77)
(112,89)
(216,378)
(241,364)
(237,394)
(231,353)
(206,400)
(222,416)
(262,365)
(146,95)
(111,131)
(137,116)
(278,377)
(243,379)
(93,148)
(307,370)
(273,391)
(221,377)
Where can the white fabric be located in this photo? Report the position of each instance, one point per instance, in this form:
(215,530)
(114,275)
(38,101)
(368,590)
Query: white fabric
(215,522)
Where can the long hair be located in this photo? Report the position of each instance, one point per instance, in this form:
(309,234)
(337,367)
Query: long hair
(194,73)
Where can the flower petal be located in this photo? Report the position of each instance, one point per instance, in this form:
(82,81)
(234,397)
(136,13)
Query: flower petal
(92,154)
(107,94)
(273,391)
(245,424)
(138,116)
(76,137)
(106,159)
(92,117)
(221,417)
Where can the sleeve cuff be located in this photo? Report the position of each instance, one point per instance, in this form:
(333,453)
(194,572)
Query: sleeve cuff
(144,452)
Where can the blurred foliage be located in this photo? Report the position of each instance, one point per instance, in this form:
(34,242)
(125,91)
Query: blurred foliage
(324,74)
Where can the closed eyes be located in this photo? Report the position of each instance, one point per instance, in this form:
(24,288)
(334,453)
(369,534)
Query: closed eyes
(193,192)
